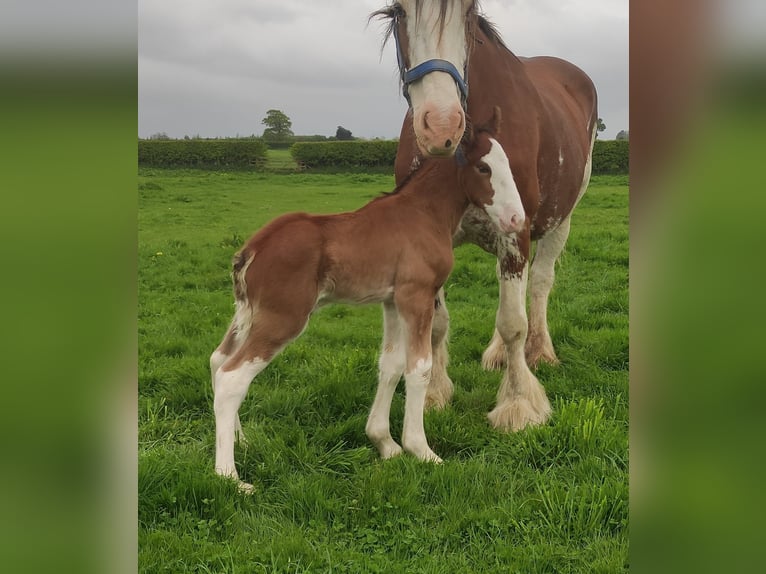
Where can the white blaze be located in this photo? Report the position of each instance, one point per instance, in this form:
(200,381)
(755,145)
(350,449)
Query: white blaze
(506,207)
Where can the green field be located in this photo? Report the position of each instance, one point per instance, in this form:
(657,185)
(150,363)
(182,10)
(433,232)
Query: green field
(280,160)
(548,499)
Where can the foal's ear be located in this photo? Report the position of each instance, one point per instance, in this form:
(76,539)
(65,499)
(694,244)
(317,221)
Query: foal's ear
(496,121)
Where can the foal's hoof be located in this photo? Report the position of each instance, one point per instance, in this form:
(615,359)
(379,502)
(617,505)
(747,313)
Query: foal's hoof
(432,457)
(390,451)
(245,488)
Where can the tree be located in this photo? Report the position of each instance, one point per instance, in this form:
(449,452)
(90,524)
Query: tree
(622,135)
(600,126)
(343,134)
(278,125)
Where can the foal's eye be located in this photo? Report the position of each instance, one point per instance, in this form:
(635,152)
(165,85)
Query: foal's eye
(484,169)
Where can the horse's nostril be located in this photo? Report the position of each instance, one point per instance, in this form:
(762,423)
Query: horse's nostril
(448,144)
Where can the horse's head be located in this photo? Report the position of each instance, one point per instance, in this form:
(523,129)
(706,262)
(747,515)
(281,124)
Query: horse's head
(432,51)
(486,177)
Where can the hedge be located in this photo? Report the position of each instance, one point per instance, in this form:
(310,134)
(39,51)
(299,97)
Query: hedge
(231,153)
(375,153)
(611,156)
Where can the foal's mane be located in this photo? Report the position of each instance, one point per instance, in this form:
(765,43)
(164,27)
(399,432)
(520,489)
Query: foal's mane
(402,184)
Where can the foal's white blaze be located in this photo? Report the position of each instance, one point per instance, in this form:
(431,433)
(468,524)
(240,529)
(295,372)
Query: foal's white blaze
(506,209)
(438,116)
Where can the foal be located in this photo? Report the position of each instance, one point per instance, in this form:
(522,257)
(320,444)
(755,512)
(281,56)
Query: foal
(396,250)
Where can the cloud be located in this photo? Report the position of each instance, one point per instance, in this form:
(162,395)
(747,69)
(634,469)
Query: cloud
(214,68)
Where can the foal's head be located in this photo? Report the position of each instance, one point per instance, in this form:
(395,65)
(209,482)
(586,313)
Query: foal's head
(486,177)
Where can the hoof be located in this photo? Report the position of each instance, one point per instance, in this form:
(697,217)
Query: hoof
(245,488)
(428,456)
(493,358)
(519,414)
(537,351)
(390,451)
(439,392)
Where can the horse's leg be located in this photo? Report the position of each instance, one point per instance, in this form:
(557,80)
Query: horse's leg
(269,334)
(217,359)
(539,346)
(391,367)
(493,358)
(416,310)
(440,388)
(521,399)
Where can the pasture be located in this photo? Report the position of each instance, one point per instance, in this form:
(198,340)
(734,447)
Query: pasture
(548,499)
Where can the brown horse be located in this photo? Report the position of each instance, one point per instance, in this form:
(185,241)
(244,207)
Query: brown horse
(397,250)
(445,47)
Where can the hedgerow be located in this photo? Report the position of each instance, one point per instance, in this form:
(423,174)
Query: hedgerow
(375,153)
(231,153)
(611,156)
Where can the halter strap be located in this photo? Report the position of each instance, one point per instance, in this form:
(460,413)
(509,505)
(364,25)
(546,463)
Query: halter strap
(424,68)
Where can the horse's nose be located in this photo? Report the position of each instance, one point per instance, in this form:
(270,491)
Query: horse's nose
(438,129)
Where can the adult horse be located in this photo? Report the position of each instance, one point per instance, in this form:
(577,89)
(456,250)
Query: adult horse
(445,47)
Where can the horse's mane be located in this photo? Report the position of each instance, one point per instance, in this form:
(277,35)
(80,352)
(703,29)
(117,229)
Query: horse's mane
(389,12)
(490,30)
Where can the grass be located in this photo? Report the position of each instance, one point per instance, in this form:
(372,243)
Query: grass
(280,160)
(548,499)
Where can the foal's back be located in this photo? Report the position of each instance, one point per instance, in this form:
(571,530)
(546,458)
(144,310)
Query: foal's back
(356,257)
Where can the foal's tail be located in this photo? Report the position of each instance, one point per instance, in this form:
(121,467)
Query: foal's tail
(243,316)
(241,262)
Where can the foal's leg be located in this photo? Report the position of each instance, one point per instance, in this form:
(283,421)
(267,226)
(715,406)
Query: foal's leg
(391,367)
(440,388)
(521,399)
(269,334)
(231,382)
(416,310)
(539,346)
(217,359)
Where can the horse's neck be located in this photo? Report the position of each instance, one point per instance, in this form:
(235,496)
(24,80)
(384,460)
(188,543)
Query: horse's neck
(436,192)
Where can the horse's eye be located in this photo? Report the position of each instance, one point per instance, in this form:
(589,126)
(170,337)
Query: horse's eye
(484,169)
(399,11)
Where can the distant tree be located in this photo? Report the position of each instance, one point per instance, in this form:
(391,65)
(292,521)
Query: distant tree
(159,136)
(343,134)
(622,135)
(278,125)
(600,126)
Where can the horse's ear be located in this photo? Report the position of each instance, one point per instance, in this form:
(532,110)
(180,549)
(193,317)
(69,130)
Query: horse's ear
(467,138)
(496,121)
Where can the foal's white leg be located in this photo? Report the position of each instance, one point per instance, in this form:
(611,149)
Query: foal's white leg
(440,388)
(413,434)
(521,399)
(230,390)
(391,367)
(539,346)
(217,359)
(415,304)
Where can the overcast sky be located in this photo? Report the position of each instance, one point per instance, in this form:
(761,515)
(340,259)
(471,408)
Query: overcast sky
(214,67)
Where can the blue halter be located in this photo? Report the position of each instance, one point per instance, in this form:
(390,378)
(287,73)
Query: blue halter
(435,65)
